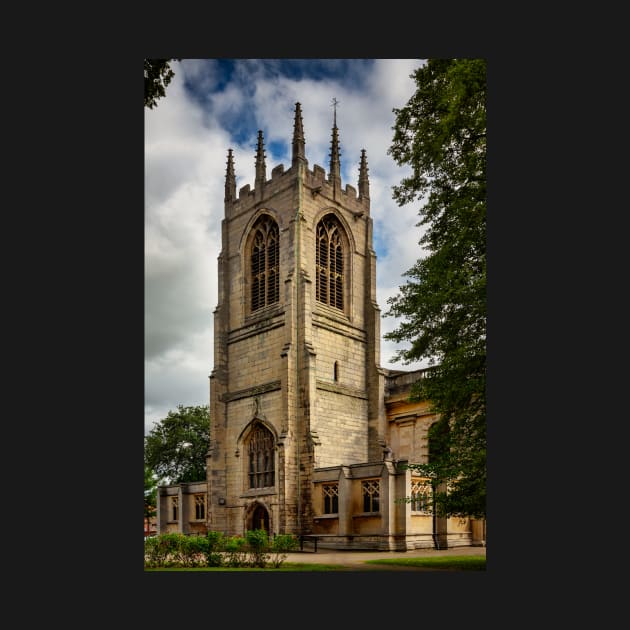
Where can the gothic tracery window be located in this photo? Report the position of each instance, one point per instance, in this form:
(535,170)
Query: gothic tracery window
(261,458)
(371,493)
(200,506)
(420,496)
(329,262)
(265,264)
(174,508)
(331,498)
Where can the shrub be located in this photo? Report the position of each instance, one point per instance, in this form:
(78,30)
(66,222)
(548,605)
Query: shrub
(280,546)
(215,550)
(162,551)
(195,550)
(175,550)
(216,544)
(236,551)
(258,545)
(152,557)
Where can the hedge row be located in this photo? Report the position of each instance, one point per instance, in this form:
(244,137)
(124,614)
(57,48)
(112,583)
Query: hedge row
(255,549)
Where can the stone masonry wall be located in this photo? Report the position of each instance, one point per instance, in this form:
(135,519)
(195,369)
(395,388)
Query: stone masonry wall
(339,420)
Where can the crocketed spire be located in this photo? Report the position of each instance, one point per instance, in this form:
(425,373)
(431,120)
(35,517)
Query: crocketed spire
(364,182)
(230,179)
(261,169)
(298,137)
(335,164)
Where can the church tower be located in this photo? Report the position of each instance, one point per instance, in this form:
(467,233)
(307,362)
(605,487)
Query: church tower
(296,385)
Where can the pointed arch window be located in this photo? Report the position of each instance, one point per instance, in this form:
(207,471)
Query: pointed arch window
(200,506)
(261,458)
(265,261)
(330,263)
(174,508)
(421,496)
(371,493)
(331,498)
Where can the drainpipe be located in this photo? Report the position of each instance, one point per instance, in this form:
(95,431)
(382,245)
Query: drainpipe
(436,540)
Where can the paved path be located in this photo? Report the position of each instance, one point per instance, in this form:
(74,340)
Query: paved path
(356,559)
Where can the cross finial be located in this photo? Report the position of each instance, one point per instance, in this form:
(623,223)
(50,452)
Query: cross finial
(335,102)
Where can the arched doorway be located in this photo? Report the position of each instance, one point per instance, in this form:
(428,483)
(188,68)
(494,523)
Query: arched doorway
(260,518)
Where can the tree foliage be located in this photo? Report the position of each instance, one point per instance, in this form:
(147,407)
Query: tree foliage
(441,134)
(175,449)
(157,75)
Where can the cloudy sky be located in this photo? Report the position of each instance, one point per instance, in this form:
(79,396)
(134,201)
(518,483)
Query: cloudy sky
(212,105)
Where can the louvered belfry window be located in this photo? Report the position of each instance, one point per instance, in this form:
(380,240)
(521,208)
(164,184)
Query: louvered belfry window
(265,262)
(329,263)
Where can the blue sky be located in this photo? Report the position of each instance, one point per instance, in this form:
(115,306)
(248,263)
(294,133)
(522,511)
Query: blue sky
(213,105)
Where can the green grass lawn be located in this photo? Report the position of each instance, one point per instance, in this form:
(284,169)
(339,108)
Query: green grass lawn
(445,563)
(286,566)
(451,563)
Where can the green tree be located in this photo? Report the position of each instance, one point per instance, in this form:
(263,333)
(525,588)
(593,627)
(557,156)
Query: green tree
(150,497)
(157,75)
(175,449)
(441,134)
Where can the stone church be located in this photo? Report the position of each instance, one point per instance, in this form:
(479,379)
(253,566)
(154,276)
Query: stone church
(309,435)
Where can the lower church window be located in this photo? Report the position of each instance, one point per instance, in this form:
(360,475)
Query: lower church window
(174,508)
(261,458)
(420,497)
(371,491)
(200,506)
(331,498)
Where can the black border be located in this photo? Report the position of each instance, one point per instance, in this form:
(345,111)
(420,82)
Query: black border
(91,273)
